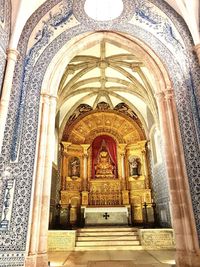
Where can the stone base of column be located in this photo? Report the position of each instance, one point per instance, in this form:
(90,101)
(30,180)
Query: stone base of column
(187,259)
(39,260)
(42,260)
(30,261)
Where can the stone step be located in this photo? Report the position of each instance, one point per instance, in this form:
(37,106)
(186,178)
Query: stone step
(105,233)
(113,237)
(107,243)
(100,248)
(108,229)
(121,263)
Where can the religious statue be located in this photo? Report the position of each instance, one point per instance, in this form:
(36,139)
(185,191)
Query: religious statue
(104,168)
(75,167)
(134,167)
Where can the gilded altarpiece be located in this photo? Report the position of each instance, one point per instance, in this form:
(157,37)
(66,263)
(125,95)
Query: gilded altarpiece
(105,169)
(130,187)
(138,178)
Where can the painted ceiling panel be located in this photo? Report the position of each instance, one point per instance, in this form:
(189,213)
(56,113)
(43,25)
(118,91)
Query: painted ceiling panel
(22,10)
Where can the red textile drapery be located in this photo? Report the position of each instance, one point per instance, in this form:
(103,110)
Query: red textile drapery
(111,148)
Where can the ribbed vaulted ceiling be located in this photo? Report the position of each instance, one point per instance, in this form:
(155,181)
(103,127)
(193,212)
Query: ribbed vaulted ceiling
(107,73)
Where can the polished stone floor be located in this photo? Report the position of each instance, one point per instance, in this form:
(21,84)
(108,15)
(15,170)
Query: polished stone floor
(113,258)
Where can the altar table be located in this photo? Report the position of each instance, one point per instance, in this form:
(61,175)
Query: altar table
(106,215)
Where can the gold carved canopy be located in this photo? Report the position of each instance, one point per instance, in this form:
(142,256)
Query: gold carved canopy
(120,127)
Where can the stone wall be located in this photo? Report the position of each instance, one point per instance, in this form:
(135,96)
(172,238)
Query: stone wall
(61,240)
(4,36)
(160,191)
(153,239)
(161,195)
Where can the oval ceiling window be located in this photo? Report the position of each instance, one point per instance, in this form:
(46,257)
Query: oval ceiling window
(103,10)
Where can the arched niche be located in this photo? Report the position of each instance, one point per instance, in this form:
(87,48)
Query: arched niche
(108,144)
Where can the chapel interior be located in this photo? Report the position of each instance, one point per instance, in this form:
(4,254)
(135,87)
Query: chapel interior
(106,124)
(99,133)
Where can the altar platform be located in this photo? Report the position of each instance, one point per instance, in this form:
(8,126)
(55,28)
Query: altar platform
(106,215)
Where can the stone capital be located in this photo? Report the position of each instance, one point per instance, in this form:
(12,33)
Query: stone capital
(169,93)
(160,96)
(45,98)
(12,54)
(47,95)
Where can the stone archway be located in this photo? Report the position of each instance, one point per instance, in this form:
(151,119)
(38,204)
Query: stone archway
(5,25)
(179,190)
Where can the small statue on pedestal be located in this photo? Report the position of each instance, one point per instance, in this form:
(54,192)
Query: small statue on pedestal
(134,167)
(74,168)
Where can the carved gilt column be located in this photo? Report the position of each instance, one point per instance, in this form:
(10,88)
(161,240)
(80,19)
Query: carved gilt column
(125,192)
(122,148)
(64,164)
(61,151)
(145,168)
(85,174)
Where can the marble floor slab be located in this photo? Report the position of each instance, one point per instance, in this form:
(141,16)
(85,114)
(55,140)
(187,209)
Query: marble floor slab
(109,258)
(122,264)
(110,263)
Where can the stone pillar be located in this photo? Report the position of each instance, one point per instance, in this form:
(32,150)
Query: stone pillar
(37,199)
(42,248)
(85,165)
(12,55)
(42,259)
(197,49)
(187,248)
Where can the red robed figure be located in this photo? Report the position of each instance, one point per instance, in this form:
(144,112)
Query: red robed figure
(111,147)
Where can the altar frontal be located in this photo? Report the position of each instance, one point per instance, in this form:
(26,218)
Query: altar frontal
(106,216)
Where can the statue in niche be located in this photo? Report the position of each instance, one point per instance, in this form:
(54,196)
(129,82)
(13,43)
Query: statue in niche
(104,168)
(74,167)
(134,166)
